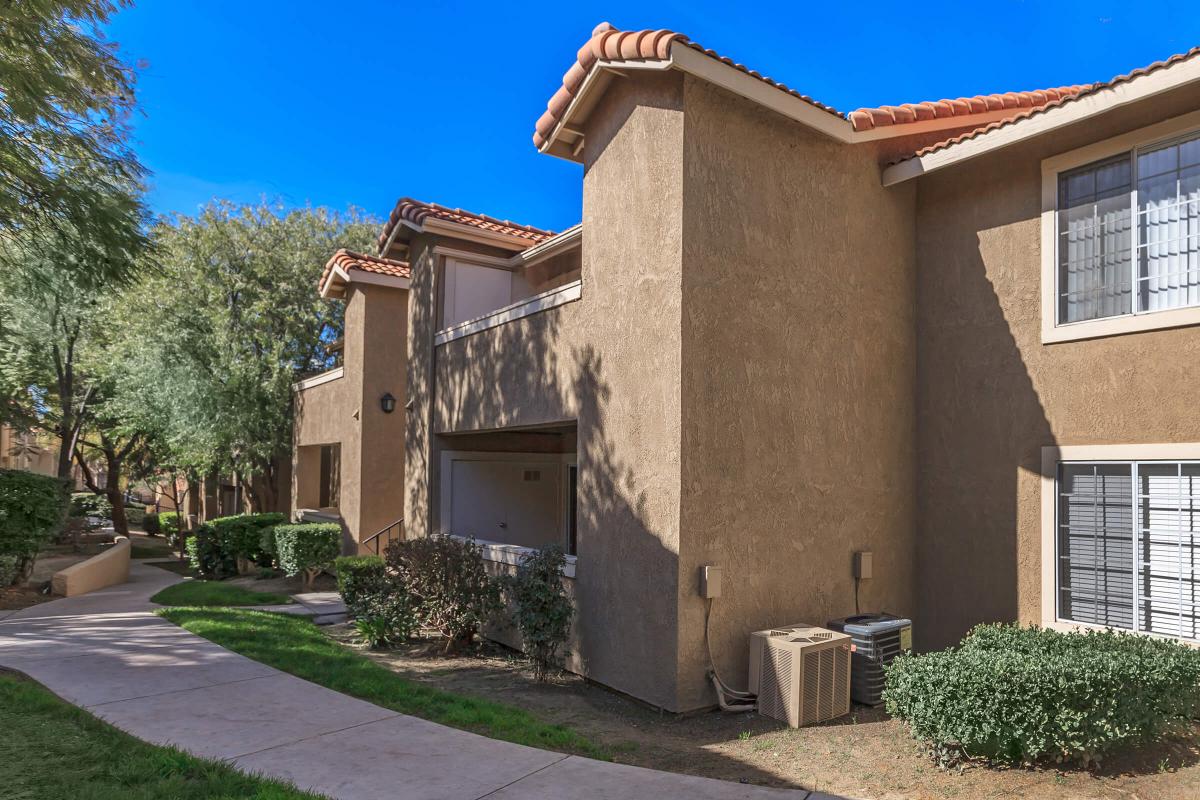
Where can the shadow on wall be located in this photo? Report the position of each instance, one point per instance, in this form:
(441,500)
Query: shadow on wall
(980,421)
(532,372)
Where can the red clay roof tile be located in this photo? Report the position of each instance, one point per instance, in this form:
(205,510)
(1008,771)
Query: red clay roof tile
(609,44)
(1085,91)
(416,212)
(348,260)
(865,119)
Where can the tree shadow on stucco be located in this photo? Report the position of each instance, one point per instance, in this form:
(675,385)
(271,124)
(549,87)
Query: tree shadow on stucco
(537,372)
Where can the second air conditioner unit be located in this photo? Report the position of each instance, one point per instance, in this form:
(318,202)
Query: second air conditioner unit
(801,673)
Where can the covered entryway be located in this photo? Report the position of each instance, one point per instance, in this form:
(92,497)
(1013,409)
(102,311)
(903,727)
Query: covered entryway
(510,487)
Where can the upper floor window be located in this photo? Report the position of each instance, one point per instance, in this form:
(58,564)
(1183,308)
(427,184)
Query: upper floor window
(1129,233)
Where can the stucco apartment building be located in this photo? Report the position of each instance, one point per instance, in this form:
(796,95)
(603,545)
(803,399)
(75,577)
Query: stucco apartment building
(960,335)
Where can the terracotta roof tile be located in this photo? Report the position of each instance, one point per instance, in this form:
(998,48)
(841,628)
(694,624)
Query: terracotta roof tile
(609,44)
(348,260)
(1085,91)
(865,119)
(416,212)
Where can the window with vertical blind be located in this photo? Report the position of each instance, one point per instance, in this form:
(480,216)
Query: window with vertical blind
(1129,233)
(1127,545)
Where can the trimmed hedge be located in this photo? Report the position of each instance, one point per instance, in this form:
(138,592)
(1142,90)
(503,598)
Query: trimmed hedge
(241,535)
(135,514)
(206,555)
(150,524)
(32,509)
(217,545)
(1009,694)
(307,547)
(381,606)
(358,579)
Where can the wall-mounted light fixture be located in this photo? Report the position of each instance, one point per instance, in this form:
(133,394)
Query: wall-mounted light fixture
(387,403)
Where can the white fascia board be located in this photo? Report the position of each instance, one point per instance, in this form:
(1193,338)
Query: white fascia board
(719,73)
(1070,113)
(317,380)
(362,276)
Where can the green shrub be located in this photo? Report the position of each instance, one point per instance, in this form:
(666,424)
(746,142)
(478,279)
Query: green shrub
(241,535)
(1009,694)
(358,577)
(207,556)
(543,610)
(447,585)
(380,603)
(150,524)
(88,504)
(135,514)
(307,547)
(171,525)
(32,509)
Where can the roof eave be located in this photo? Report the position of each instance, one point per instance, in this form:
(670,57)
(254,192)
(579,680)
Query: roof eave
(1047,120)
(566,140)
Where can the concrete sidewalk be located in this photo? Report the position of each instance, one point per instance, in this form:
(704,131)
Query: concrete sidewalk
(110,654)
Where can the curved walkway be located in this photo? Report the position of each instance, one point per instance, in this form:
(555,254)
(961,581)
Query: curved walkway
(108,652)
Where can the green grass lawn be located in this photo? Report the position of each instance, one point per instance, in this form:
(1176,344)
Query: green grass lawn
(216,593)
(51,749)
(295,645)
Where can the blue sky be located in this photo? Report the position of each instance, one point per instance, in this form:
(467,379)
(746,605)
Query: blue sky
(359,102)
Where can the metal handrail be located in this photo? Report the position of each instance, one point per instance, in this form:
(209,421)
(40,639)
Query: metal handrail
(374,539)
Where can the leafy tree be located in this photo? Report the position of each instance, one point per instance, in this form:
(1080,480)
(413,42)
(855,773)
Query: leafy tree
(226,323)
(65,160)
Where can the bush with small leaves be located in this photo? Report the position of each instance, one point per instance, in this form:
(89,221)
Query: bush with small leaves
(241,536)
(307,548)
(1013,695)
(543,609)
(380,603)
(172,527)
(447,583)
(207,556)
(359,578)
(33,508)
(89,504)
(150,524)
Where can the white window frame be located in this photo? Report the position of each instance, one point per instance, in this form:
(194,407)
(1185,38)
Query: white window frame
(1150,137)
(1052,459)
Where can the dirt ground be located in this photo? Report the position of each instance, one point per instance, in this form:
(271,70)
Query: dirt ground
(865,755)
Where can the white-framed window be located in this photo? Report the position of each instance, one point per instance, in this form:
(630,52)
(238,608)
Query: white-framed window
(1129,233)
(1126,545)
(1121,233)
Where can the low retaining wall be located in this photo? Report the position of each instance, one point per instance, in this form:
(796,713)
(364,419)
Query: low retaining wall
(107,569)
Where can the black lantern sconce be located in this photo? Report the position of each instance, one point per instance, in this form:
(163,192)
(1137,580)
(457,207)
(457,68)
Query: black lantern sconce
(387,403)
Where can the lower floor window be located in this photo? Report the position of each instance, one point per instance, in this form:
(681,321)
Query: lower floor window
(1128,542)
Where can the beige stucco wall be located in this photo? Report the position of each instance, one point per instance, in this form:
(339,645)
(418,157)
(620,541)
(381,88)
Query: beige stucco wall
(609,361)
(106,569)
(798,380)
(990,395)
(346,411)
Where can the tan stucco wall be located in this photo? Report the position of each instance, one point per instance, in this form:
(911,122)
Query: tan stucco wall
(609,361)
(346,411)
(990,395)
(106,569)
(798,380)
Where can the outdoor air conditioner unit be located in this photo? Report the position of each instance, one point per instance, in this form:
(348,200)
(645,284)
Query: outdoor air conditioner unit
(801,673)
(878,639)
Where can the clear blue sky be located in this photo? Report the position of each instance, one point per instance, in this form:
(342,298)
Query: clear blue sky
(363,101)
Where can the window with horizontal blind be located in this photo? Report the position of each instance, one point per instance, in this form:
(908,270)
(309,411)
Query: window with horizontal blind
(1128,545)
(1128,233)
